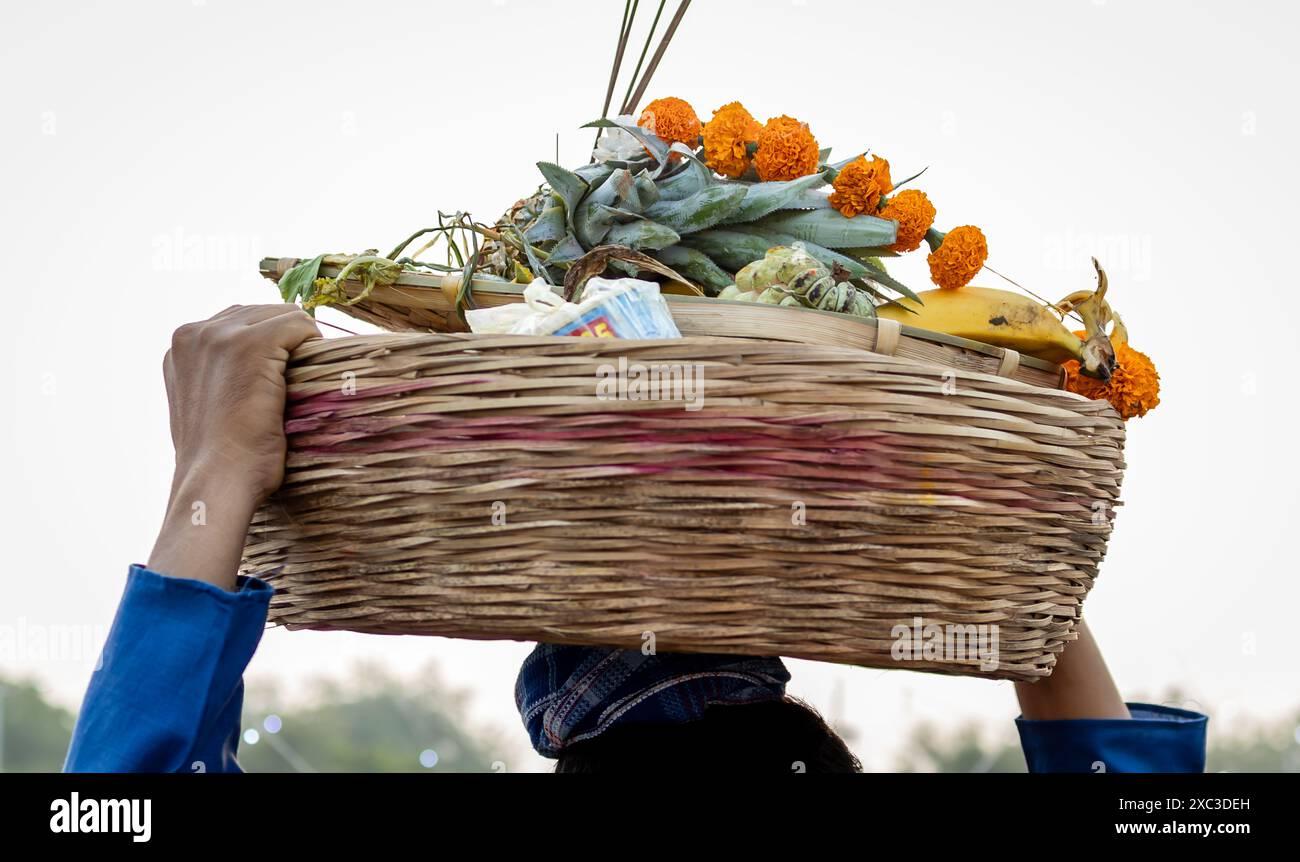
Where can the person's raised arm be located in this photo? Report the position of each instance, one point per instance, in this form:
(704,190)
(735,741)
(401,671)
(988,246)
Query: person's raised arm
(168,693)
(226,393)
(1080,686)
(1076,721)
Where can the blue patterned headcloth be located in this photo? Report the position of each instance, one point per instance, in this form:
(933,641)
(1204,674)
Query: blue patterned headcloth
(566,694)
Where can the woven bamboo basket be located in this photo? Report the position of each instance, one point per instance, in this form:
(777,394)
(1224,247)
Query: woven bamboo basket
(821,501)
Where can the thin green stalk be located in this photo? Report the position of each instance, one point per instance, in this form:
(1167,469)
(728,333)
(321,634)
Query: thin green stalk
(645,49)
(624,30)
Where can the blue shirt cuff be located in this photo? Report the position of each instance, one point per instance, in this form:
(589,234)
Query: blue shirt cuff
(1155,739)
(168,691)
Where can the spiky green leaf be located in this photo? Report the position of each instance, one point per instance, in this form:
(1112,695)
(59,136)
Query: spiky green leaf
(899,185)
(701,210)
(647,193)
(550,226)
(765,198)
(590,222)
(830,229)
(594,173)
(692,178)
(729,249)
(809,200)
(826,256)
(643,234)
(864,252)
(877,275)
(695,265)
(569,186)
(566,251)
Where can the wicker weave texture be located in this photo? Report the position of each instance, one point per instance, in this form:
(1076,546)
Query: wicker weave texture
(775,498)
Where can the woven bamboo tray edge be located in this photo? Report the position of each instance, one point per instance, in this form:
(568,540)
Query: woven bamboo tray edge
(426,293)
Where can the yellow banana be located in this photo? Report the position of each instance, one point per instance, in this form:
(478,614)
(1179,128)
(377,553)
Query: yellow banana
(1007,319)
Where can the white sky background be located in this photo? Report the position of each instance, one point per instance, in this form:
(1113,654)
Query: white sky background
(153,151)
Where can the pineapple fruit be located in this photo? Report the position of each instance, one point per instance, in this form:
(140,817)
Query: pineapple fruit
(665,202)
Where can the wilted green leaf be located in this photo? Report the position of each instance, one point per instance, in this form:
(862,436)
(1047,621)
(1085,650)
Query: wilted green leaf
(296,284)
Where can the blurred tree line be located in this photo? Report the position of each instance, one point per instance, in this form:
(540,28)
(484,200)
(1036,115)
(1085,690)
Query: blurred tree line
(371,721)
(1271,746)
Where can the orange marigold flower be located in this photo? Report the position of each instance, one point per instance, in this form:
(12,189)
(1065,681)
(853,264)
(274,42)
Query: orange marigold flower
(786,150)
(726,138)
(1133,388)
(673,120)
(914,214)
(960,254)
(859,186)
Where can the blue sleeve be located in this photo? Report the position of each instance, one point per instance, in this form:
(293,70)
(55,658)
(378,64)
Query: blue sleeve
(1155,739)
(168,691)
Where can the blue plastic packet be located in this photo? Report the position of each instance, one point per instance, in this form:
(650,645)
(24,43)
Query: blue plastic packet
(621,308)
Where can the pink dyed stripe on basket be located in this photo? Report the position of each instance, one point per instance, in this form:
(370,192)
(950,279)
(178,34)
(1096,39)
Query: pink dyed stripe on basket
(848,464)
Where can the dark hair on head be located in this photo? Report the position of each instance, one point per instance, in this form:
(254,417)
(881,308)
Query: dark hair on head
(771,737)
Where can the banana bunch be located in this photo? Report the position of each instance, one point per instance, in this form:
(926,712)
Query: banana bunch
(1013,320)
(789,275)
(668,204)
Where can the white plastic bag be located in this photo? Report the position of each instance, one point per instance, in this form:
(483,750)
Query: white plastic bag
(610,308)
(519,318)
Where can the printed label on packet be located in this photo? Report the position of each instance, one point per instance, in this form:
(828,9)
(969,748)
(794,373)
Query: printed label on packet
(593,324)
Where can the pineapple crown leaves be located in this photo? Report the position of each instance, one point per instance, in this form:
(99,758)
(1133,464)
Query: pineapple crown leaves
(707,207)
(672,206)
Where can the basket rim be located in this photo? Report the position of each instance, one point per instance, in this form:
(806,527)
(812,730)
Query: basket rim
(273,267)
